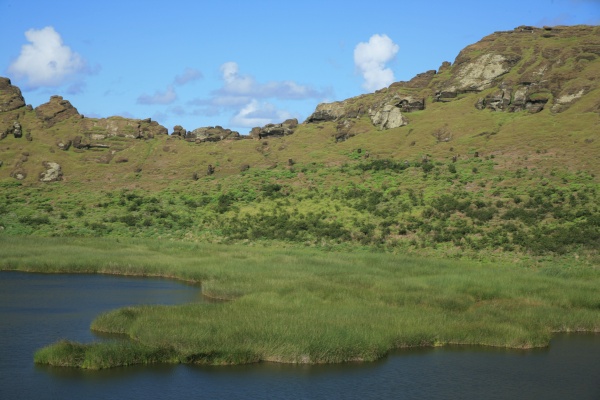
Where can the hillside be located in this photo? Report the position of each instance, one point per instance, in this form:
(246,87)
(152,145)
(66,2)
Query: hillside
(496,152)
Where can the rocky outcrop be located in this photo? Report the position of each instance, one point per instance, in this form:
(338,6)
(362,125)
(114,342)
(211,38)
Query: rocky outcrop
(103,128)
(52,173)
(388,117)
(475,75)
(10,96)
(327,112)
(179,130)
(55,111)
(420,81)
(211,134)
(287,127)
(15,129)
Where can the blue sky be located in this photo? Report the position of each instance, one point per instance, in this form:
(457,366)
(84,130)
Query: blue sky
(240,64)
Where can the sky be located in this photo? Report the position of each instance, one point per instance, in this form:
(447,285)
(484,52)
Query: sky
(240,64)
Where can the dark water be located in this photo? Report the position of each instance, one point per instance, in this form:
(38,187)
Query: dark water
(36,310)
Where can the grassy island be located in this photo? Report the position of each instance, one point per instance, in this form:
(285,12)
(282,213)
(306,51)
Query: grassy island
(298,305)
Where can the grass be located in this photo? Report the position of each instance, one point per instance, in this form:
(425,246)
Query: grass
(305,306)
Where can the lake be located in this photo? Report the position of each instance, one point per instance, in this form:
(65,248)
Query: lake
(39,309)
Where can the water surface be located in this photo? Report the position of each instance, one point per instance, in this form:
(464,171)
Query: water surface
(37,309)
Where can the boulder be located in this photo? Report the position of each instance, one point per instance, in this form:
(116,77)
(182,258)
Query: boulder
(56,110)
(499,100)
(178,130)
(10,96)
(64,144)
(388,117)
(287,127)
(327,112)
(212,134)
(17,131)
(53,172)
(14,129)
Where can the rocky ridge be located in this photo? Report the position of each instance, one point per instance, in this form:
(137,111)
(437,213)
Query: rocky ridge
(526,69)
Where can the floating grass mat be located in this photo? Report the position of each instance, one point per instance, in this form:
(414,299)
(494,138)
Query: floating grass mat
(306,306)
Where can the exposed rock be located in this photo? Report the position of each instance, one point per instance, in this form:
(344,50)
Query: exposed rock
(476,75)
(496,101)
(344,130)
(420,81)
(19,174)
(80,143)
(178,130)
(103,128)
(17,132)
(15,129)
(53,172)
(327,112)
(64,144)
(287,127)
(566,98)
(10,96)
(56,110)
(408,103)
(212,134)
(445,66)
(388,117)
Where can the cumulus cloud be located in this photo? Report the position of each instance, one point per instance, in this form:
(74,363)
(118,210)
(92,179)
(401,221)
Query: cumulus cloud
(258,114)
(167,97)
(188,75)
(46,61)
(371,58)
(246,98)
(239,85)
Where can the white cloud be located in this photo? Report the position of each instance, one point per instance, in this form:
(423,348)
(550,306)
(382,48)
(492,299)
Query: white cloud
(46,61)
(257,114)
(244,96)
(188,75)
(370,58)
(236,85)
(167,97)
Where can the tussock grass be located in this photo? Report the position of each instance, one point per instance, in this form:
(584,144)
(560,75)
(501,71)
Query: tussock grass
(306,306)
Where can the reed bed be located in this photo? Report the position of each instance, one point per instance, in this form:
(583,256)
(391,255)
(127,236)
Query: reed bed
(307,306)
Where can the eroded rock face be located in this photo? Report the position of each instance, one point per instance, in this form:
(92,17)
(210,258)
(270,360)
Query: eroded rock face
(327,112)
(179,130)
(287,127)
(56,110)
(420,81)
(388,117)
(476,75)
(103,128)
(212,134)
(566,98)
(10,96)
(53,172)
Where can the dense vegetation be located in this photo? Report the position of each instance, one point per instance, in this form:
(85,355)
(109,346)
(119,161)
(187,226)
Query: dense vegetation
(467,207)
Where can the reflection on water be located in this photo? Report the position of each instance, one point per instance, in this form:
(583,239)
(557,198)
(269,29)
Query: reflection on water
(36,310)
